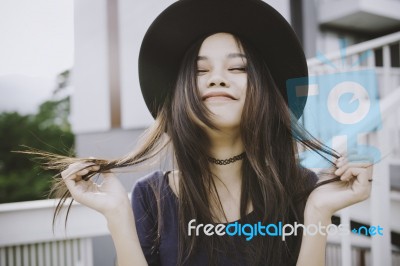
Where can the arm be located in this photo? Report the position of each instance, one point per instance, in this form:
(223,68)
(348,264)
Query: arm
(110,199)
(122,227)
(312,251)
(354,186)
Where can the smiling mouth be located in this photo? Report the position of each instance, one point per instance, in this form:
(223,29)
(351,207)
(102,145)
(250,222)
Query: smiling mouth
(218,97)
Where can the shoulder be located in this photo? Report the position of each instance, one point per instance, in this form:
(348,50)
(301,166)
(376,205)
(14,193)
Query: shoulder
(149,179)
(143,191)
(155,185)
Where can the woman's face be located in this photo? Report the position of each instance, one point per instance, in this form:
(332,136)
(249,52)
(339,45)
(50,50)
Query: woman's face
(222,79)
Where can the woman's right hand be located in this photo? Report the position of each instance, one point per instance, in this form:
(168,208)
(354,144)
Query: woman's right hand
(104,198)
(110,199)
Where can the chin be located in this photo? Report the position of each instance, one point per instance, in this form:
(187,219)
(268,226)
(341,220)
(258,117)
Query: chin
(225,116)
(226,122)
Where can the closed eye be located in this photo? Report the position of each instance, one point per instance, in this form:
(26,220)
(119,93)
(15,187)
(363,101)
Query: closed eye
(238,69)
(201,71)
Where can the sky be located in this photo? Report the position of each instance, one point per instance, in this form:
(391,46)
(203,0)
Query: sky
(36,44)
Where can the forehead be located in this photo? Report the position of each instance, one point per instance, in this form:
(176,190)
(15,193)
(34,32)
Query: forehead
(220,44)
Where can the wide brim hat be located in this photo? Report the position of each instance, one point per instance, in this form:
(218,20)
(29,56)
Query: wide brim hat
(186,21)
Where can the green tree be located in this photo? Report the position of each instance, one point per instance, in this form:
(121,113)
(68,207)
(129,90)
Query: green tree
(21,178)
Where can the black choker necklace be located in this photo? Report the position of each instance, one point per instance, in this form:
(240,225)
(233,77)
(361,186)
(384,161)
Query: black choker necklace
(227,161)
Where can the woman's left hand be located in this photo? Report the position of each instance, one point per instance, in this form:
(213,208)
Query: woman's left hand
(355,174)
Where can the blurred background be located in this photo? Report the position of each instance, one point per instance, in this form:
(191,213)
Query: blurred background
(69,84)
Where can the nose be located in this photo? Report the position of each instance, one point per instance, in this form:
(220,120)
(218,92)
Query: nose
(217,80)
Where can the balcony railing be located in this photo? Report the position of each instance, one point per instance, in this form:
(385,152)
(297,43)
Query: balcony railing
(27,238)
(70,252)
(381,55)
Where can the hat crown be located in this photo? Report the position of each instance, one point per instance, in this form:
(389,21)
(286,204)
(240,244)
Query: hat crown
(186,21)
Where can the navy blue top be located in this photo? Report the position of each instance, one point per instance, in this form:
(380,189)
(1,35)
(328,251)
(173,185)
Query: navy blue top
(144,205)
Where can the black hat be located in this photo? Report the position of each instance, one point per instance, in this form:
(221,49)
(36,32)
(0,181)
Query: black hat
(186,21)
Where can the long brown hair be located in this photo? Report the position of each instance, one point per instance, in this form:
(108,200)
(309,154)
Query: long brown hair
(272,177)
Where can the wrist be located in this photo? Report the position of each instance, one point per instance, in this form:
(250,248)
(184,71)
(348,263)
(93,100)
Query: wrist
(115,215)
(314,214)
(313,244)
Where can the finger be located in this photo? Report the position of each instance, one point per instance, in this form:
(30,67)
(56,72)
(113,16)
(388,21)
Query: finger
(341,161)
(83,172)
(78,189)
(326,174)
(95,168)
(74,168)
(71,185)
(365,158)
(108,175)
(94,188)
(361,174)
(357,158)
(346,166)
(341,158)
(86,170)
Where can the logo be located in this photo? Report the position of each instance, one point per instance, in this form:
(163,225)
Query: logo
(341,106)
(278,230)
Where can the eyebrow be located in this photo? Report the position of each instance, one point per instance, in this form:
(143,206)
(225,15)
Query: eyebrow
(232,55)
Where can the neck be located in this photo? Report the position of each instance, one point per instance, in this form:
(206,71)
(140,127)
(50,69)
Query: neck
(227,178)
(223,146)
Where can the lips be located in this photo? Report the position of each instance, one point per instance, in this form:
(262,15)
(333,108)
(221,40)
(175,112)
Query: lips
(217,96)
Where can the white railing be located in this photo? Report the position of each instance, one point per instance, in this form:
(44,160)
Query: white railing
(386,139)
(27,239)
(358,49)
(360,255)
(70,252)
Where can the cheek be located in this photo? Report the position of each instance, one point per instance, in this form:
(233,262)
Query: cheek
(201,82)
(240,82)
(242,85)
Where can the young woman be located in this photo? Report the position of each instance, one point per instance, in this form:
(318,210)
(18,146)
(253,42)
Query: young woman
(213,75)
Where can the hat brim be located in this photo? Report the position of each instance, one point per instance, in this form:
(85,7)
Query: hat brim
(186,21)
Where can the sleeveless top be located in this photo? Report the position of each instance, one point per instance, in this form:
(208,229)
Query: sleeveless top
(144,206)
